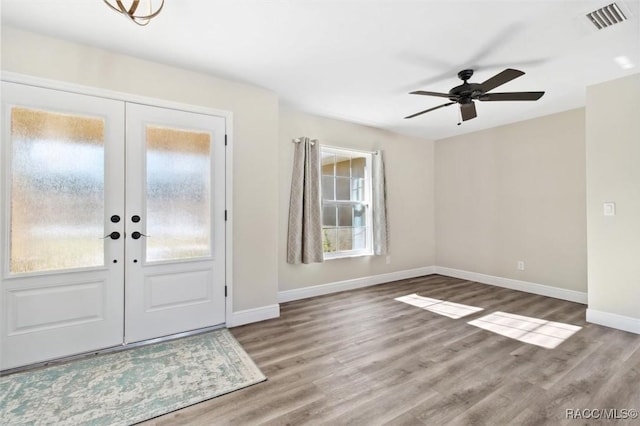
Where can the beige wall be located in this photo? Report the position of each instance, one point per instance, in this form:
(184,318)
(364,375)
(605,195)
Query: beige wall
(613,175)
(255,149)
(511,193)
(478,202)
(409,172)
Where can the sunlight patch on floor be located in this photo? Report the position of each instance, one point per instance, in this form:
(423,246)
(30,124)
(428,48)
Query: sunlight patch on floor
(535,331)
(441,307)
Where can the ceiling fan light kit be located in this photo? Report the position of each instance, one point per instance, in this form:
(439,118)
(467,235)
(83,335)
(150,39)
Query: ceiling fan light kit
(466,93)
(139,12)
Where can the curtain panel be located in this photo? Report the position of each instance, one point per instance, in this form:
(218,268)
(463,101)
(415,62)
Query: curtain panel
(304,242)
(379,193)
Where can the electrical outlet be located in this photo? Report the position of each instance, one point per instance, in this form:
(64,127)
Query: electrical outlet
(388,260)
(520,265)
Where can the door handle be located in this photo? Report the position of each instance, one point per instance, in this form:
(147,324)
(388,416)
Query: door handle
(135,235)
(114,235)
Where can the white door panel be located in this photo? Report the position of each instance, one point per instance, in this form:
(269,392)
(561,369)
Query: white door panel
(59,318)
(61,284)
(175,186)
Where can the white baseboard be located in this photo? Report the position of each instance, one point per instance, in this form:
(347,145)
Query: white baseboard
(319,290)
(526,286)
(253,315)
(529,287)
(620,322)
(273,311)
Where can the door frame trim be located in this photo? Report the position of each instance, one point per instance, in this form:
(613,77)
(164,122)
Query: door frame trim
(162,103)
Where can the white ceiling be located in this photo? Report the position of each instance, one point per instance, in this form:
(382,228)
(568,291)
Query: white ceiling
(357,59)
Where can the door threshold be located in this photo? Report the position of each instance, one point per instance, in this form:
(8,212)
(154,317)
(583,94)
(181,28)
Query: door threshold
(104,351)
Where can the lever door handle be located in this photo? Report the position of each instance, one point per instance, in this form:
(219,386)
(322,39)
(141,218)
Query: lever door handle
(114,235)
(135,235)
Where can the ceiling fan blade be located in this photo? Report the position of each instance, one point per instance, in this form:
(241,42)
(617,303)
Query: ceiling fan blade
(440,95)
(512,96)
(428,110)
(500,79)
(468,111)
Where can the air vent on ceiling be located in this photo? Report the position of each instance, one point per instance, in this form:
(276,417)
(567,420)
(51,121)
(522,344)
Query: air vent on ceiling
(606,16)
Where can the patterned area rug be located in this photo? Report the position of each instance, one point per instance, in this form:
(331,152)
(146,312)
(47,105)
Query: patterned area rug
(129,386)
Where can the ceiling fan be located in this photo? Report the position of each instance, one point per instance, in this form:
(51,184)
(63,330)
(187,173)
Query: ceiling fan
(467,92)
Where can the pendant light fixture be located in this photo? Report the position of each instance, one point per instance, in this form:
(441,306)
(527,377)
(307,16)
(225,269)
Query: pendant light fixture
(139,11)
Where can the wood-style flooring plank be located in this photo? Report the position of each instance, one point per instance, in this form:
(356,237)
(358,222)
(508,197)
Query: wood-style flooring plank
(362,358)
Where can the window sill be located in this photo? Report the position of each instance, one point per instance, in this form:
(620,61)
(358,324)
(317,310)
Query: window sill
(347,256)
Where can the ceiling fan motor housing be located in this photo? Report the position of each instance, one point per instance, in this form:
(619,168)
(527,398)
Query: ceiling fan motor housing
(466,91)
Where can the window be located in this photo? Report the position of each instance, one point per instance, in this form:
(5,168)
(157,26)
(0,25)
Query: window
(346,203)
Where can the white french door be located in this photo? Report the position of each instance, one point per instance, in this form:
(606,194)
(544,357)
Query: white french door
(175,216)
(62,181)
(112,223)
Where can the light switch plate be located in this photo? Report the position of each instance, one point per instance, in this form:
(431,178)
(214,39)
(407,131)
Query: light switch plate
(609,209)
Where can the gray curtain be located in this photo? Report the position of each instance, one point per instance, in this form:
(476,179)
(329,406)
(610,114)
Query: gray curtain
(304,242)
(380,224)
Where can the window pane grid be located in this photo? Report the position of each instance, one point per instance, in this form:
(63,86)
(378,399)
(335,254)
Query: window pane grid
(345,180)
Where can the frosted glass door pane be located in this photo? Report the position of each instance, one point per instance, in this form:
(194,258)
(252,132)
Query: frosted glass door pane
(178,194)
(57,191)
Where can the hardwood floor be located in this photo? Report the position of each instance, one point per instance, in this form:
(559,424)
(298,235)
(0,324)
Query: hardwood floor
(360,357)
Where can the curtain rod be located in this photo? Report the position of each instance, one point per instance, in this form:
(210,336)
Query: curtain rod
(298,140)
(313,142)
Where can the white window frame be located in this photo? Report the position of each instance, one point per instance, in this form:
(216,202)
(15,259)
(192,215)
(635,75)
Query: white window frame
(366,203)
